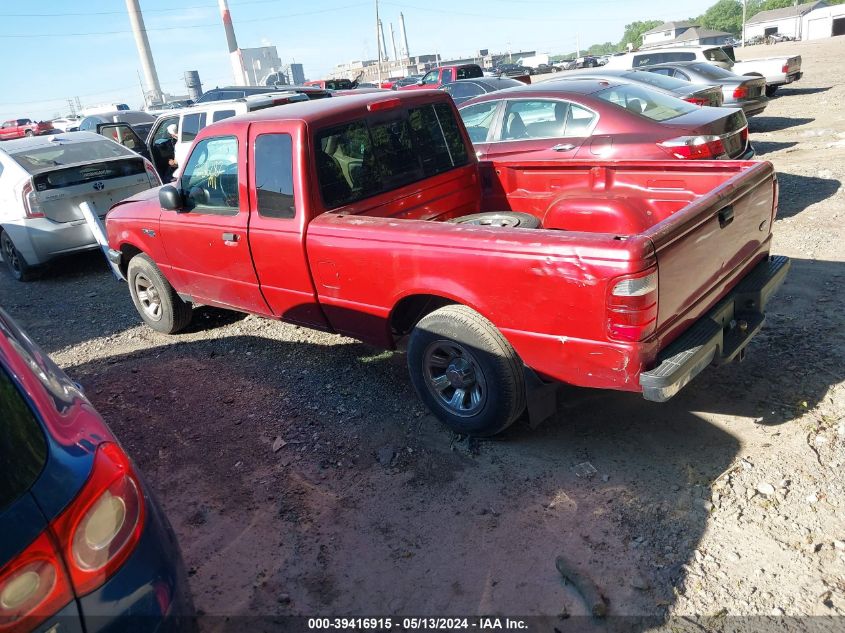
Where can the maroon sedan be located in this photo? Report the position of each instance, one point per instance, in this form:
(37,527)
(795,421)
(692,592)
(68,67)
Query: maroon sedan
(601,118)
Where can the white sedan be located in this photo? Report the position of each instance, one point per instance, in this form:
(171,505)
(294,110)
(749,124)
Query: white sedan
(43,179)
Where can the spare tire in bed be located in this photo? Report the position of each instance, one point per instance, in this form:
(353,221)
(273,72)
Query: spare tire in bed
(510,219)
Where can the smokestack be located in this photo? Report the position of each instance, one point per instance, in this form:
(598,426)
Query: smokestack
(393,41)
(383,43)
(192,83)
(404,35)
(235,56)
(143,44)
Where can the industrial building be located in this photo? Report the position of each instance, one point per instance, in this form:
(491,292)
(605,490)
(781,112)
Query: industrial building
(808,21)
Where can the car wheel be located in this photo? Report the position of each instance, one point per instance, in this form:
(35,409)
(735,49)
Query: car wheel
(15,262)
(509,219)
(154,298)
(29,133)
(466,372)
(771,90)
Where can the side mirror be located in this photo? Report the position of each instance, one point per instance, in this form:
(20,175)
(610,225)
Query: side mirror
(170,198)
(420,82)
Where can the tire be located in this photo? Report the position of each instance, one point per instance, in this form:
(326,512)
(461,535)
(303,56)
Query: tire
(15,262)
(771,90)
(29,133)
(455,349)
(508,219)
(154,298)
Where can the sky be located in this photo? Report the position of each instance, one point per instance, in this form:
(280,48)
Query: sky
(54,50)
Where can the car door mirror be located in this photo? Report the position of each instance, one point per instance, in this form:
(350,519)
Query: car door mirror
(171,198)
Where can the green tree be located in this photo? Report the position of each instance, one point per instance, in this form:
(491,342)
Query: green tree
(725,15)
(634,32)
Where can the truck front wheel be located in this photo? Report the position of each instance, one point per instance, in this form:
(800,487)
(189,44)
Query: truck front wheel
(466,372)
(154,298)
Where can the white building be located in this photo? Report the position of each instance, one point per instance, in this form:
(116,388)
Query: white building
(665,33)
(823,22)
(259,63)
(787,21)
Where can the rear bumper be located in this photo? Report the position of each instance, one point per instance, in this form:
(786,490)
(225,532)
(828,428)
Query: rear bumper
(788,79)
(754,106)
(39,239)
(718,337)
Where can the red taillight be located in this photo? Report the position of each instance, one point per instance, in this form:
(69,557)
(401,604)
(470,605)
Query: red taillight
(31,204)
(103,524)
(699,101)
(741,92)
(152,174)
(84,545)
(385,104)
(694,147)
(784,68)
(33,586)
(632,306)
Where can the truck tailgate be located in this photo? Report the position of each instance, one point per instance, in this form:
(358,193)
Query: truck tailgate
(712,239)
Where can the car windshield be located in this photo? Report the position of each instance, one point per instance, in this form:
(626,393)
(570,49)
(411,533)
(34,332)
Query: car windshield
(644,102)
(59,154)
(660,81)
(23,449)
(712,72)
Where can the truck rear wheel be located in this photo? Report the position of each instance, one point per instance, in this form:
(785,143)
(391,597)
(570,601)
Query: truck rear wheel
(154,298)
(466,372)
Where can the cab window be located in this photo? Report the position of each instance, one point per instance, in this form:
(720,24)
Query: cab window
(274,176)
(191,126)
(430,77)
(222,114)
(210,178)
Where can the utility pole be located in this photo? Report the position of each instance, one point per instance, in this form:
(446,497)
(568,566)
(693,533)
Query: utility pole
(744,12)
(378,44)
(577,46)
(143,94)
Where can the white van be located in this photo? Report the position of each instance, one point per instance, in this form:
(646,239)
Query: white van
(189,121)
(103,107)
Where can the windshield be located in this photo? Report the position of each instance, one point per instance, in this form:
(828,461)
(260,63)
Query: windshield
(712,72)
(661,81)
(59,154)
(644,102)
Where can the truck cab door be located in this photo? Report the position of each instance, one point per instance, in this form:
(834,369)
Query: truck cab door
(124,134)
(206,241)
(279,215)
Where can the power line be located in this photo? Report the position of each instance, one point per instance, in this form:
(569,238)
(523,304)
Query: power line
(90,13)
(188,26)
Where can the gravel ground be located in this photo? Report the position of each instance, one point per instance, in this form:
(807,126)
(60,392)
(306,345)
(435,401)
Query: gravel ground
(303,476)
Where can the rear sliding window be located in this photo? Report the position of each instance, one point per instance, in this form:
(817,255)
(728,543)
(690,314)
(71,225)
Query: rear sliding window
(59,154)
(644,102)
(662,58)
(717,55)
(23,449)
(470,72)
(366,157)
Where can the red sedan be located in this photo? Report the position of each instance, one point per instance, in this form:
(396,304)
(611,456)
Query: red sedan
(601,118)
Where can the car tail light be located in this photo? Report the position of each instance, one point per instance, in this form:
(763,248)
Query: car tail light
(84,546)
(699,101)
(741,92)
(33,586)
(695,147)
(785,68)
(152,174)
(632,306)
(384,104)
(103,524)
(31,204)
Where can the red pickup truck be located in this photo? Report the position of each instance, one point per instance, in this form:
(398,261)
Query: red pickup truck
(437,77)
(370,216)
(18,128)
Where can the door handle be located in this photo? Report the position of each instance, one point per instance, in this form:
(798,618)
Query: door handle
(562,147)
(231,237)
(726,216)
